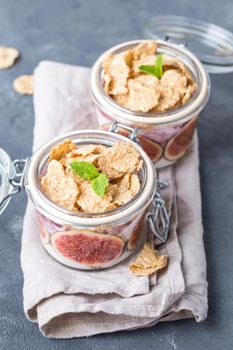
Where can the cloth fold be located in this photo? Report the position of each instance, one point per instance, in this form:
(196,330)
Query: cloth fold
(67,303)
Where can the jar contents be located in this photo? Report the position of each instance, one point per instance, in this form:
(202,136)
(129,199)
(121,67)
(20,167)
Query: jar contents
(92,178)
(91,248)
(143,80)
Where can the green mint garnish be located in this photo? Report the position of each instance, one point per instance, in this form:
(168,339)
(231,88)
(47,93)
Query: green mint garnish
(85,170)
(156,69)
(99,184)
(88,171)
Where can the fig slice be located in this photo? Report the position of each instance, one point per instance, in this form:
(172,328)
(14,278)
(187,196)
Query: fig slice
(152,148)
(87,247)
(178,145)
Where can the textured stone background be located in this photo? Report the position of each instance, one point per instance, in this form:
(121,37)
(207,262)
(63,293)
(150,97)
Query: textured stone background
(75,31)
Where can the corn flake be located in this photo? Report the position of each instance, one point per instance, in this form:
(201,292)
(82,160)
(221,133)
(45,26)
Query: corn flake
(189,93)
(145,48)
(107,83)
(116,67)
(61,149)
(128,55)
(168,100)
(148,262)
(89,149)
(172,62)
(86,153)
(127,187)
(175,79)
(120,159)
(58,186)
(144,93)
(122,100)
(8,56)
(90,202)
(24,84)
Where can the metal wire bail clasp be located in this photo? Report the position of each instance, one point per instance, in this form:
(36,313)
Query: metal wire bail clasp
(158,219)
(17,181)
(132,131)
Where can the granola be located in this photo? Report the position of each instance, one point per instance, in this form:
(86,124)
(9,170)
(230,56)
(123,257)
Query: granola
(107,179)
(132,88)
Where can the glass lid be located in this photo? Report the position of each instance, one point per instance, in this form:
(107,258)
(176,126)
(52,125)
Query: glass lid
(11,177)
(212,44)
(6,173)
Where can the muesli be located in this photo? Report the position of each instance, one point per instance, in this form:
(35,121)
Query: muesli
(144,80)
(92,178)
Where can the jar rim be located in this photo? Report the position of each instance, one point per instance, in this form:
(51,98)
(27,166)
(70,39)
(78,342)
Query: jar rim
(127,116)
(62,215)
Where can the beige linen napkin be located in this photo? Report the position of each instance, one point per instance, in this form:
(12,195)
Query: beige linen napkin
(68,303)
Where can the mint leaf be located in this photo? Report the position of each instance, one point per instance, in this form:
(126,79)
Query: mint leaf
(99,184)
(159,65)
(88,171)
(147,69)
(85,170)
(156,70)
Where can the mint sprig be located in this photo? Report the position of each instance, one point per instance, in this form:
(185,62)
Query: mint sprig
(99,184)
(156,69)
(85,170)
(88,171)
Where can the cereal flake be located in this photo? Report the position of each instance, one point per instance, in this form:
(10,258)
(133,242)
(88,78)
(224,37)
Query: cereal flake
(116,67)
(61,149)
(145,48)
(107,83)
(24,84)
(8,56)
(120,159)
(87,153)
(127,187)
(189,93)
(90,202)
(144,93)
(58,186)
(148,262)
(168,100)
(175,79)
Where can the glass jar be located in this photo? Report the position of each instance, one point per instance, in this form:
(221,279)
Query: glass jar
(83,240)
(164,136)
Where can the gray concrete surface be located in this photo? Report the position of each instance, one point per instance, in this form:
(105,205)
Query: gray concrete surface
(75,31)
